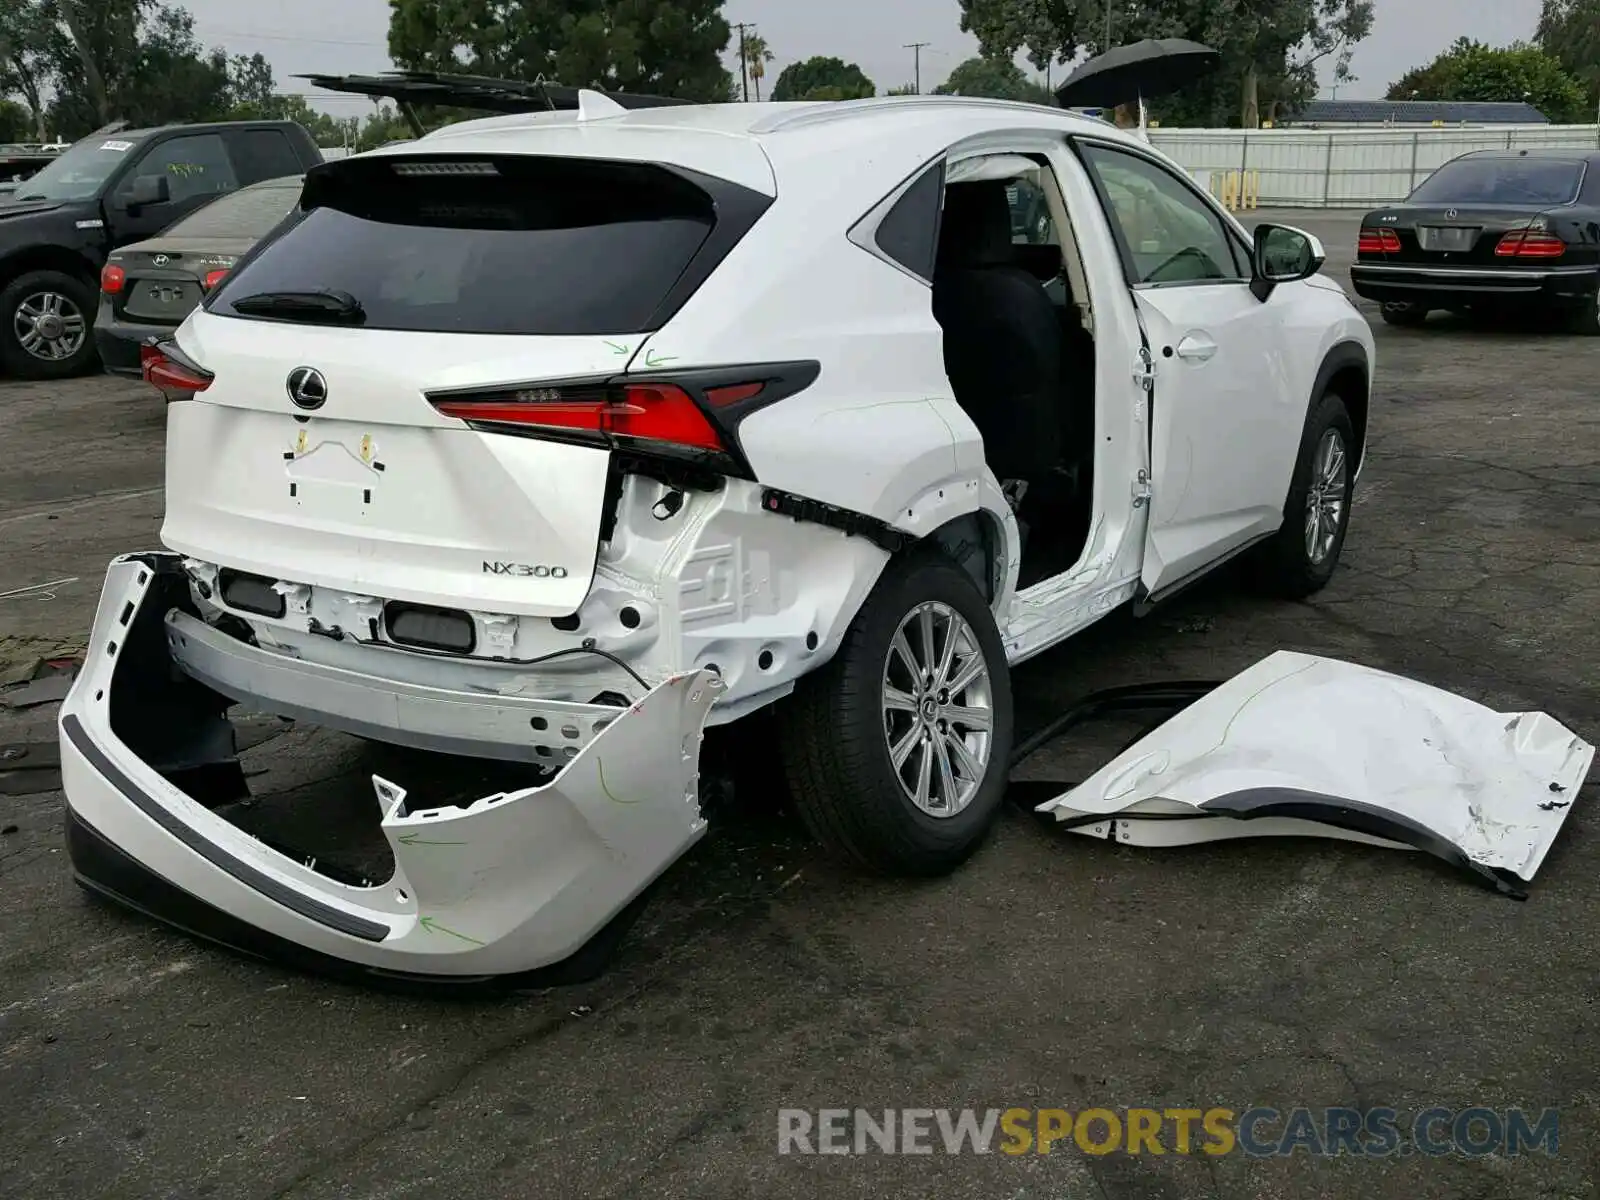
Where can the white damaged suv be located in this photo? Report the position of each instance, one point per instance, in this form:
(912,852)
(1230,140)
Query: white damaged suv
(556,437)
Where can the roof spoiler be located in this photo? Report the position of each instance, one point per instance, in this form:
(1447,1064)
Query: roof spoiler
(410,88)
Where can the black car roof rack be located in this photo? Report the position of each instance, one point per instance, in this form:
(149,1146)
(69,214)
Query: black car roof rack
(409,88)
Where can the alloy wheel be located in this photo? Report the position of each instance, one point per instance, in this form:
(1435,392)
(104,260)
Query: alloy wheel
(49,326)
(938,709)
(1325,499)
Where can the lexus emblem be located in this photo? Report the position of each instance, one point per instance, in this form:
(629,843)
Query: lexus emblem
(307,387)
(1451,214)
(161,260)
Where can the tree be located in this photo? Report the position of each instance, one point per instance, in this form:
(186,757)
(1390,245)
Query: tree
(27,37)
(664,47)
(905,89)
(1470,70)
(821,78)
(1569,31)
(1270,50)
(997,78)
(756,58)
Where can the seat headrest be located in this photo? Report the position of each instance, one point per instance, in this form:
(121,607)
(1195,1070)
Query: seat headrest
(976,229)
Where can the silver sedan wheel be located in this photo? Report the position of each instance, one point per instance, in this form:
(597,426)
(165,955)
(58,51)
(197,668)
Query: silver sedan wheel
(1325,500)
(938,709)
(49,326)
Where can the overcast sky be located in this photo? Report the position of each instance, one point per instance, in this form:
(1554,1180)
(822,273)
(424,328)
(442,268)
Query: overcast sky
(350,36)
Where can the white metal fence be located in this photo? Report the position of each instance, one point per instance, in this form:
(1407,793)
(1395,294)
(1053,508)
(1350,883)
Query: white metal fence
(1346,168)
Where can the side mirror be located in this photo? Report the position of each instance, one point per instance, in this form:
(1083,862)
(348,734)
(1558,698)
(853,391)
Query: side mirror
(147,190)
(1283,254)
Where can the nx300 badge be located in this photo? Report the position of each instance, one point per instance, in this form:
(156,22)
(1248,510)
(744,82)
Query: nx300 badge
(537,571)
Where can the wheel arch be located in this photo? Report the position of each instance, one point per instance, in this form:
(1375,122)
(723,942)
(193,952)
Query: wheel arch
(1346,371)
(48,258)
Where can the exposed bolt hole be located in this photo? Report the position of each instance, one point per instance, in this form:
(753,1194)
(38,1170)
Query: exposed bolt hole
(400,895)
(602,723)
(100,695)
(764,660)
(714,669)
(143,576)
(111,648)
(569,731)
(570,752)
(127,612)
(629,617)
(566,624)
(811,640)
(542,751)
(539,723)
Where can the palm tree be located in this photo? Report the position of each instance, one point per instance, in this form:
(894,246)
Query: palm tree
(756,57)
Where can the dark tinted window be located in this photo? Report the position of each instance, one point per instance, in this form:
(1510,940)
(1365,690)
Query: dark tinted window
(513,245)
(1502,181)
(251,213)
(195,165)
(909,232)
(264,154)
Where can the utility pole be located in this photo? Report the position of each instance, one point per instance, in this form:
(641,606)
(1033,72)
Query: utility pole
(744,63)
(1107,45)
(916,49)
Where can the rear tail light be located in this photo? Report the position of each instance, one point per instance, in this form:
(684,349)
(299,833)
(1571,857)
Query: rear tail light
(1530,243)
(112,278)
(630,412)
(176,375)
(691,417)
(214,277)
(1378,241)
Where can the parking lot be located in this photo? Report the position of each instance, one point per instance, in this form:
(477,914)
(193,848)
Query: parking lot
(1052,972)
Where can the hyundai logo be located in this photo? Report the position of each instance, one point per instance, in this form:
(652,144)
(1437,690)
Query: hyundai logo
(307,387)
(161,260)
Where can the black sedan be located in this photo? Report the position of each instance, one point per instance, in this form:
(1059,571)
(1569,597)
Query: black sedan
(148,288)
(1494,231)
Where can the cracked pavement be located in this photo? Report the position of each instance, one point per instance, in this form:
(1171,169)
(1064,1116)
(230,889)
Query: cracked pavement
(1052,971)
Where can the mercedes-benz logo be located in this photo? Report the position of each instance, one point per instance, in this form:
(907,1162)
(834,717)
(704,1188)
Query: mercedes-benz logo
(1451,214)
(307,387)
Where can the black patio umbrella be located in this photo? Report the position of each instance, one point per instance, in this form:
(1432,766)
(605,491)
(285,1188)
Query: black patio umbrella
(1139,70)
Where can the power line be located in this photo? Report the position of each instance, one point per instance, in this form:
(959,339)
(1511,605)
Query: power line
(916,49)
(284,37)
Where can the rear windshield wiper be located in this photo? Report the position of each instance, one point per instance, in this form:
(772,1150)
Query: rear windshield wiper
(303,306)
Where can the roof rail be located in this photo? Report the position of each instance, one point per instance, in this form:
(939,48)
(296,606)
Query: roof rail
(408,88)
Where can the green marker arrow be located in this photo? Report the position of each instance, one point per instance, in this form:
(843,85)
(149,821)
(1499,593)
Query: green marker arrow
(416,839)
(616,349)
(652,359)
(433,926)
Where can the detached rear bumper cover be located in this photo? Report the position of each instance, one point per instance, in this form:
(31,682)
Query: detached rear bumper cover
(512,883)
(1300,745)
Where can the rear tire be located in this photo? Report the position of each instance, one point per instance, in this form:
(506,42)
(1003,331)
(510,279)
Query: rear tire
(1407,316)
(1301,557)
(47,326)
(844,724)
(1585,319)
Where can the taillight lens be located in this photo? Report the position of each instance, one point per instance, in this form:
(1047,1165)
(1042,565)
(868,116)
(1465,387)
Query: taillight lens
(660,413)
(1378,241)
(1530,243)
(214,277)
(112,277)
(169,369)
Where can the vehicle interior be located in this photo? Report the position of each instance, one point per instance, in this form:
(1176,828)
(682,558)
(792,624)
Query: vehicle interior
(1010,294)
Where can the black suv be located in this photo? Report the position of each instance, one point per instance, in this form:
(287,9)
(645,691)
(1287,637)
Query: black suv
(111,189)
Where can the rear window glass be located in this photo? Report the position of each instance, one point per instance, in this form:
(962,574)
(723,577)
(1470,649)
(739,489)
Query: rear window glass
(252,213)
(1502,181)
(510,245)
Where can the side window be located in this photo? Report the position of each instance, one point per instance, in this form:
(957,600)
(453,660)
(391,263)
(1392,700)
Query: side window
(1031,223)
(196,165)
(909,232)
(263,154)
(1169,234)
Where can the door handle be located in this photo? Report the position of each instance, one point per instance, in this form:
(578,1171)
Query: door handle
(1196,347)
